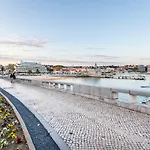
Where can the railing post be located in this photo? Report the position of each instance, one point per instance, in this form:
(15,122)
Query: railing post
(114,95)
(71,88)
(59,85)
(53,85)
(42,85)
(65,87)
(62,86)
(50,84)
(68,87)
(133,98)
(47,85)
(56,86)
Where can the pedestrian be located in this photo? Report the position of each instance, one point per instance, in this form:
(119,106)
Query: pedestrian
(2,69)
(12,76)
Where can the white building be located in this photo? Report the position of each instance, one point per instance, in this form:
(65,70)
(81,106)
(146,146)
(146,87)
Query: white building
(109,69)
(35,67)
(94,72)
(141,68)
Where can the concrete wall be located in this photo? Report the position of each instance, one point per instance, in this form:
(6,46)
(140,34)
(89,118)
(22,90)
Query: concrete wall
(109,95)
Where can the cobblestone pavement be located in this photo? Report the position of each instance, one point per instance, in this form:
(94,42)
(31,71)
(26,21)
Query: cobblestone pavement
(86,124)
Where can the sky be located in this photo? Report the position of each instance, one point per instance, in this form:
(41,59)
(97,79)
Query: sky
(75,32)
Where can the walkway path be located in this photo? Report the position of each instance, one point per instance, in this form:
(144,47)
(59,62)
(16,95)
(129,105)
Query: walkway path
(86,124)
(40,137)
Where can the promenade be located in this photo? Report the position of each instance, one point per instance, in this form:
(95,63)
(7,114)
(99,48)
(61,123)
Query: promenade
(85,124)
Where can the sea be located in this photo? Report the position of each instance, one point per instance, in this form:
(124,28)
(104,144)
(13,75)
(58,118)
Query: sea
(118,83)
(107,82)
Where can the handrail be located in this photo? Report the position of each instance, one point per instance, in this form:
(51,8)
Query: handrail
(132,92)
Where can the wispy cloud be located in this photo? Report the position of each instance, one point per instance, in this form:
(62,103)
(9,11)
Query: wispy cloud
(103,56)
(106,56)
(144,58)
(10,57)
(54,60)
(26,58)
(95,48)
(23,42)
(87,62)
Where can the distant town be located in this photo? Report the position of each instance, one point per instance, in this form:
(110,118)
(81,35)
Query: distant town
(34,68)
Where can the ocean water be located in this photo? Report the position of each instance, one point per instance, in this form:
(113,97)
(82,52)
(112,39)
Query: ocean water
(105,82)
(118,83)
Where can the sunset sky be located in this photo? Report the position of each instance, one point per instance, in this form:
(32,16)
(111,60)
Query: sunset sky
(75,31)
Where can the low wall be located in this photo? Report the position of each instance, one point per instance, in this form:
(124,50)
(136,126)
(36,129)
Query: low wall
(106,94)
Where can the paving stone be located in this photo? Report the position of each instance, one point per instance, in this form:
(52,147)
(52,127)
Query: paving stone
(86,124)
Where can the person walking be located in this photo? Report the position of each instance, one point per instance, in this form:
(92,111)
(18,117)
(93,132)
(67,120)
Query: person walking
(2,70)
(12,76)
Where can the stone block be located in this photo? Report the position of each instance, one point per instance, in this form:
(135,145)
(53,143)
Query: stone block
(76,88)
(36,83)
(18,80)
(106,93)
(91,90)
(133,106)
(97,92)
(148,110)
(110,101)
(123,104)
(143,109)
(139,108)
(85,89)
(114,95)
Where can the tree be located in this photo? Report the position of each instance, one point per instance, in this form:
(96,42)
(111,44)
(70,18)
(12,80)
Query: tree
(50,70)
(11,66)
(37,71)
(58,67)
(29,71)
(2,69)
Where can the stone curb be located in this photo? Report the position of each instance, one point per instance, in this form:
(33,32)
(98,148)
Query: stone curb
(24,128)
(57,139)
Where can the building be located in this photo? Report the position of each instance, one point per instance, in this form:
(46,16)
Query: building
(70,71)
(95,71)
(34,67)
(141,68)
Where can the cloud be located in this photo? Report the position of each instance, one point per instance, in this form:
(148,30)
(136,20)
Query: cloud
(54,60)
(144,58)
(62,50)
(88,62)
(25,58)
(23,42)
(95,48)
(106,56)
(103,56)
(10,57)
(26,50)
